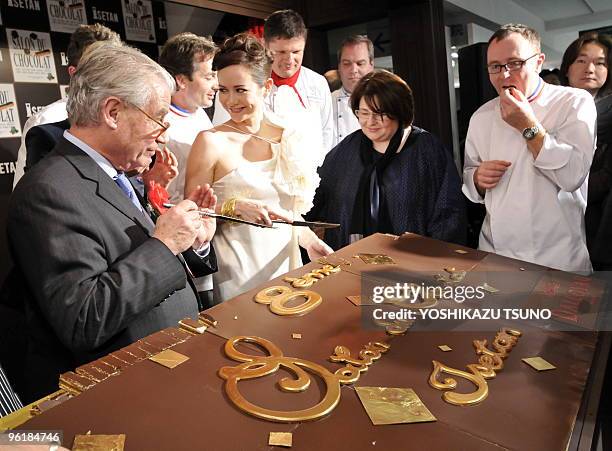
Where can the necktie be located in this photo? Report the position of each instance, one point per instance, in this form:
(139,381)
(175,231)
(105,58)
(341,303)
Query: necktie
(122,181)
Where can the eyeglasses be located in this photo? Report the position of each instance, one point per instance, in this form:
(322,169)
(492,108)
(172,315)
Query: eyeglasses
(510,66)
(365,115)
(164,126)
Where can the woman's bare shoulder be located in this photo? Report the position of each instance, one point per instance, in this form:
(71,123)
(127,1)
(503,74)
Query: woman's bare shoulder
(209,141)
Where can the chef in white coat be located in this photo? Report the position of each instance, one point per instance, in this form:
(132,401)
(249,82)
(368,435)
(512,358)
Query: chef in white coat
(355,59)
(527,157)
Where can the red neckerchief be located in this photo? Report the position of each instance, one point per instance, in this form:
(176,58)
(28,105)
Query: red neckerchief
(289,81)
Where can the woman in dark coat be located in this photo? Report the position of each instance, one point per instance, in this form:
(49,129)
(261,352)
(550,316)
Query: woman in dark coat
(389,176)
(586,65)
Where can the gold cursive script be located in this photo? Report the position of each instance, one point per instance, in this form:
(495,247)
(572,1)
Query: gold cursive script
(488,364)
(256,366)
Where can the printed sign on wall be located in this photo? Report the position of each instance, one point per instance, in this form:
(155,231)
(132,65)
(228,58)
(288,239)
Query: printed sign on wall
(33,97)
(66,15)
(9,117)
(60,43)
(31,56)
(17,13)
(107,13)
(138,20)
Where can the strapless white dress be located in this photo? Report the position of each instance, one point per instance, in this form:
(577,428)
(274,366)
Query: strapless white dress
(248,256)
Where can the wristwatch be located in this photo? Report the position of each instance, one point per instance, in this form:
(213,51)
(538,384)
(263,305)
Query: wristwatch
(531,132)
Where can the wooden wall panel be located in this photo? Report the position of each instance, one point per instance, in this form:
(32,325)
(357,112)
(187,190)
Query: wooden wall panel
(327,14)
(251,8)
(419,57)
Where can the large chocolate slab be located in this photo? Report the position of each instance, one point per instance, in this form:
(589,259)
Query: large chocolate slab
(186,408)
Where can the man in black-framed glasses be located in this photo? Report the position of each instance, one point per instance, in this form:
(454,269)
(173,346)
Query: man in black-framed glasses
(527,157)
(510,66)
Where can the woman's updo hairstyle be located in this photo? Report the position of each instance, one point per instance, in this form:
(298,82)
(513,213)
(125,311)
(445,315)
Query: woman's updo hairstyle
(247,50)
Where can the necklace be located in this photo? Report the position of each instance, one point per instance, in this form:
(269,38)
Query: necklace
(250,134)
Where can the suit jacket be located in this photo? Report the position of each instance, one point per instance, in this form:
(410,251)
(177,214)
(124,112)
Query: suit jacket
(91,276)
(41,139)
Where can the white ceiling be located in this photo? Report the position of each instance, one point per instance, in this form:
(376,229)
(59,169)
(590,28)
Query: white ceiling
(557,21)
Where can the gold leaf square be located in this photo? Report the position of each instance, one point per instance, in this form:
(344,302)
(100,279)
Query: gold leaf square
(445,348)
(539,364)
(281,439)
(169,358)
(489,288)
(376,259)
(356,300)
(90,442)
(386,405)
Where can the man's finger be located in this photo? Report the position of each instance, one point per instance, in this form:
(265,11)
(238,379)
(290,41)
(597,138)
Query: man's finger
(173,161)
(489,180)
(186,205)
(504,162)
(493,171)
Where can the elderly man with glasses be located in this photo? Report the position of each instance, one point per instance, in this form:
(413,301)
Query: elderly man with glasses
(92,269)
(527,157)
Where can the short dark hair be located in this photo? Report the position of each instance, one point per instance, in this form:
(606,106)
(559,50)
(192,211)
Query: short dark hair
(386,93)
(245,49)
(84,36)
(284,24)
(527,32)
(356,40)
(179,53)
(573,50)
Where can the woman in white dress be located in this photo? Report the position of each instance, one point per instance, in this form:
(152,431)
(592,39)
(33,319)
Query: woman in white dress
(260,170)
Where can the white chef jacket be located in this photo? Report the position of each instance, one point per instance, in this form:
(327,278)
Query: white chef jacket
(536,211)
(184,128)
(54,112)
(345,121)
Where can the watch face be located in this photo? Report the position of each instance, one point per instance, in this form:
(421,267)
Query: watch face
(529,133)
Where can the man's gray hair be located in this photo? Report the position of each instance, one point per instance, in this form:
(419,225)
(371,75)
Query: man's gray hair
(111,70)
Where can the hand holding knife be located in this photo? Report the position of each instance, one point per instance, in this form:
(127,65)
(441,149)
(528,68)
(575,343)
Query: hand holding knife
(324,225)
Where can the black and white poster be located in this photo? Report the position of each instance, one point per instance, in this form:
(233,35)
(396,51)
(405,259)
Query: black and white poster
(18,13)
(107,13)
(33,97)
(9,115)
(138,20)
(31,56)
(66,15)
(60,43)
(161,26)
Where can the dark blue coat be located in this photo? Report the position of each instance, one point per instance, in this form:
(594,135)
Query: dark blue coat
(422,190)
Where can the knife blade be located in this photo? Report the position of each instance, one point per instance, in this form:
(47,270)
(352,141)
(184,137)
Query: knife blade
(226,218)
(323,225)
